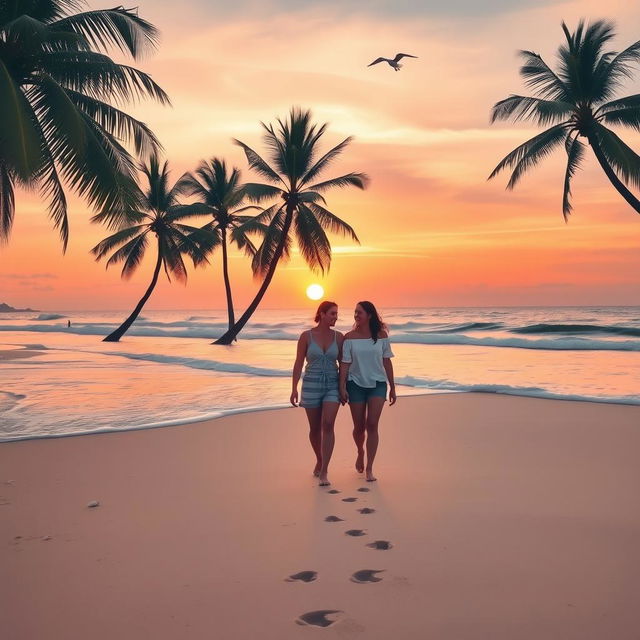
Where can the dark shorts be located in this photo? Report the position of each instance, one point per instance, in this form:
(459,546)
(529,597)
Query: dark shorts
(362,394)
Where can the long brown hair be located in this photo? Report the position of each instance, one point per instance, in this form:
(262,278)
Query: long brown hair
(323,308)
(375,321)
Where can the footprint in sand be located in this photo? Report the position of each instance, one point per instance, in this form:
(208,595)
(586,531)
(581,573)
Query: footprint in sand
(333,519)
(302,576)
(349,499)
(333,491)
(366,575)
(356,532)
(382,545)
(318,618)
(366,510)
(364,489)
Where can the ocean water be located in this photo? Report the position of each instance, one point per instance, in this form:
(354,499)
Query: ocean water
(166,371)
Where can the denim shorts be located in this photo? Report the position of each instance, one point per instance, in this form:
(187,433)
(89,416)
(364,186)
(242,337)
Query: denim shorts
(362,394)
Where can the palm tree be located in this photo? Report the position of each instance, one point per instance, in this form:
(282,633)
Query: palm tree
(295,165)
(221,195)
(160,216)
(577,101)
(57,122)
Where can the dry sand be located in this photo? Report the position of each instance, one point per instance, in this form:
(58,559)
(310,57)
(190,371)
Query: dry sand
(509,518)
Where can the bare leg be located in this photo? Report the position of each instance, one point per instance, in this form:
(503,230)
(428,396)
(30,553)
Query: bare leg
(315,435)
(374,409)
(329,413)
(358,415)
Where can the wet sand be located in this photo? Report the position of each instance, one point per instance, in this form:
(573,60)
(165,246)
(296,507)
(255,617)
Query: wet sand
(494,517)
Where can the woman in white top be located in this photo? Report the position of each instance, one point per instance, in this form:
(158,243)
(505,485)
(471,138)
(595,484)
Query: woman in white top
(365,369)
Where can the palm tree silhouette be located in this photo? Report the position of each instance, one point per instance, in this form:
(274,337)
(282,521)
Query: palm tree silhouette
(221,195)
(295,165)
(160,216)
(576,100)
(56,120)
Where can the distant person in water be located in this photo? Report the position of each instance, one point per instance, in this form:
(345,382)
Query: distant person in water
(364,372)
(321,346)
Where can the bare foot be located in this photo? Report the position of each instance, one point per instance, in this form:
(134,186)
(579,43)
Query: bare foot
(324,481)
(369,476)
(316,469)
(360,462)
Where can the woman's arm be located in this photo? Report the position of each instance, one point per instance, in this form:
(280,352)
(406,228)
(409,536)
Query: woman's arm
(388,367)
(301,352)
(344,372)
(345,350)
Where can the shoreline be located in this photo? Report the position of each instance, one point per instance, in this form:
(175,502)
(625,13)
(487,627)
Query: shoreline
(222,413)
(504,517)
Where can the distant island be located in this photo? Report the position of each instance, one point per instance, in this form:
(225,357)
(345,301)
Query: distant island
(5,308)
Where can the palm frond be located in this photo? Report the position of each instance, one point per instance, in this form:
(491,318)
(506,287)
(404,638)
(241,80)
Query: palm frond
(267,215)
(530,153)
(575,153)
(181,211)
(118,27)
(19,130)
(116,239)
(331,222)
(242,240)
(251,207)
(96,75)
(543,112)
(311,196)
(360,180)
(624,160)
(624,117)
(7,204)
(192,241)
(104,174)
(265,255)
(135,248)
(542,79)
(256,192)
(325,161)
(258,164)
(118,123)
(313,243)
(172,257)
(134,256)
(621,66)
(51,185)
(189,185)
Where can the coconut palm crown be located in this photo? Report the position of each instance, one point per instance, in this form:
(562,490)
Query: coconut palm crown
(576,102)
(221,195)
(159,218)
(292,180)
(58,121)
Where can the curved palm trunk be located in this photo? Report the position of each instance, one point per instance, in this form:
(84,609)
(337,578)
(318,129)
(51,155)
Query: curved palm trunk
(227,282)
(123,328)
(229,336)
(613,178)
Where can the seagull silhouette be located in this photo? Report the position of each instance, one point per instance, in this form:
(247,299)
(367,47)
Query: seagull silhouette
(393,63)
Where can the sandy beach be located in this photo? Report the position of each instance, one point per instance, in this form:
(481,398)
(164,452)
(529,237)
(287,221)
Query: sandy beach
(507,518)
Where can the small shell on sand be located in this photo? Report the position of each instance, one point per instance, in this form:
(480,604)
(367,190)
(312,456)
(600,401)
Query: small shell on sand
(93,504)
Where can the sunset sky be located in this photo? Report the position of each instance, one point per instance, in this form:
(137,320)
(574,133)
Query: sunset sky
(433,231)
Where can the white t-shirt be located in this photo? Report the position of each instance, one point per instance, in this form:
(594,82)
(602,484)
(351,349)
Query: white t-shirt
(365,357)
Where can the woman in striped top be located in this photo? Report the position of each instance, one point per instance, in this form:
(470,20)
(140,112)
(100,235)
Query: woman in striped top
(322,347)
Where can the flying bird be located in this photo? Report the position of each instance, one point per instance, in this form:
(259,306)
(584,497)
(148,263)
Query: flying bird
(395,62)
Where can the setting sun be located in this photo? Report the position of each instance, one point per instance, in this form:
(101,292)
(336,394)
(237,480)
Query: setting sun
(315,292)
